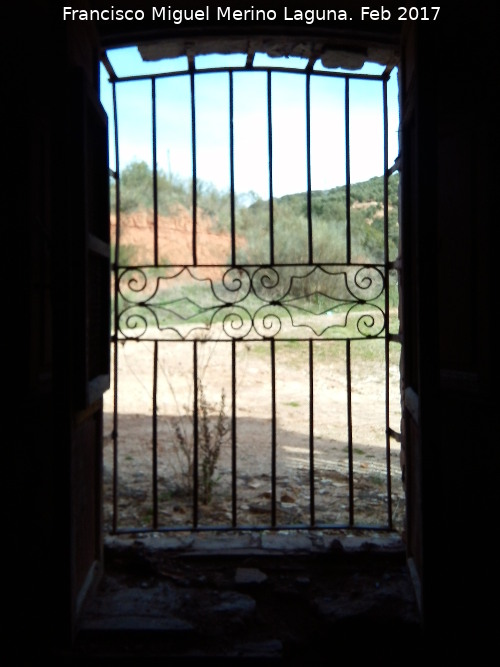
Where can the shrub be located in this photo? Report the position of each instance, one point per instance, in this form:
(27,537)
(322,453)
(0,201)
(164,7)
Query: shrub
(212,432)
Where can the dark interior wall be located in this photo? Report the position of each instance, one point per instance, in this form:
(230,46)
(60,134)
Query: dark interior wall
(450,247)
(53,505)
(448,176)
(467,124)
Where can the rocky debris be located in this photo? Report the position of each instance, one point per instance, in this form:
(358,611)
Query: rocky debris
(286,605)
(249,575)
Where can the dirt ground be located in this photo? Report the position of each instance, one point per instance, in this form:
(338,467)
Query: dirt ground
(254,436)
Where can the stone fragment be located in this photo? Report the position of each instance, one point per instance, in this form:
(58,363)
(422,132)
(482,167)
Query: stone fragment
(249,575)
(235,604)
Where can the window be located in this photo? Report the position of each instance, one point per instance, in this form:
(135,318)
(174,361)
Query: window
(255,332)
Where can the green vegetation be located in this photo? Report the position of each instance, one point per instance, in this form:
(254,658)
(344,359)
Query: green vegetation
(328,218)
(136,189)
(290,214)
(136,194)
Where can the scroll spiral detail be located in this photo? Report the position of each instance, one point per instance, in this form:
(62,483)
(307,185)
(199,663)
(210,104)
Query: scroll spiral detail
(251,302)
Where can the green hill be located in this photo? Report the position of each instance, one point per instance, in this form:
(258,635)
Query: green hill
(290,214)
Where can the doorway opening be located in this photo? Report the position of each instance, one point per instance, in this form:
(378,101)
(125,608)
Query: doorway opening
(255,331)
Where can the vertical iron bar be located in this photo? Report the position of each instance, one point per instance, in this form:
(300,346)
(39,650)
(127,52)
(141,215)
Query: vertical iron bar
(155,355)
(347,173)
(271,259)
(155,170)
(273,434)
(387,317)
(193,153)
(387,433)
(271,256)
(308,160)
(271,253)
(195,435)
(386,173)
(233,433)
(348,258)
(349,433)
(115,427)
(233,344)
(270,151)
(311,433)
(115,317)
(117,177)
(155,436)
(231,168)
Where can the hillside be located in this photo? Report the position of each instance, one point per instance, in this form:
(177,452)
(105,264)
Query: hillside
(252,242)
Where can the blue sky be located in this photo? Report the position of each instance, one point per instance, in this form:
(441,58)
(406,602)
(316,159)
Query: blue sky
(250,123)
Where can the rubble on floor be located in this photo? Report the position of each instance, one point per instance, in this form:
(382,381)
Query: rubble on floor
(286,598)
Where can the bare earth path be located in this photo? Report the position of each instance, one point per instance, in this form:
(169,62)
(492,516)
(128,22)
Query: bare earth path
(254,435)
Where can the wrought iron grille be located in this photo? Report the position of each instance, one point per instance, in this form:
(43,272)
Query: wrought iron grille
(208,322)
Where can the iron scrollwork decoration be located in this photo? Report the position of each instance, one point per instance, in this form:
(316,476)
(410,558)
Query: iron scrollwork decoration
(305,302)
